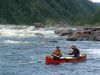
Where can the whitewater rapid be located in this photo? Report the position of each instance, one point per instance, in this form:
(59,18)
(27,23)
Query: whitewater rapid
(25,31)
(12,33)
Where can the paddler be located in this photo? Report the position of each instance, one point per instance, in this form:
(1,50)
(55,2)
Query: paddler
(57,53)
(75,51)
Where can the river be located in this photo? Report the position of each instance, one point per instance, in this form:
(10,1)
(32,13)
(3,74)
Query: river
(22,52)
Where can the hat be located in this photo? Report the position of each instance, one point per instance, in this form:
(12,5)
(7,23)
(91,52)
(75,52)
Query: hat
(73,46)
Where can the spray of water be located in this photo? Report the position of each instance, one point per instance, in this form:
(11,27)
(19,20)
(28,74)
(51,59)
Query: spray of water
(24,31)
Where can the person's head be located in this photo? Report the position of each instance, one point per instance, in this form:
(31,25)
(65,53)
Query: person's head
(57,47)
(73,47)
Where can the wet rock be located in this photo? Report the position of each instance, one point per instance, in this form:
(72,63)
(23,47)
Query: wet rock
(70,31)
(39,34)
(97,38)
(60,31)
(86,34)
(78,36)
(96,35)
(64,31)
(91,29)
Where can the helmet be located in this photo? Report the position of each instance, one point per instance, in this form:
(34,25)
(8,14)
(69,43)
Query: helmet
(57,47)
(73,46)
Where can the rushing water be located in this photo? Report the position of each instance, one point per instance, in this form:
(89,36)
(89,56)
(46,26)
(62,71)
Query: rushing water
(23,53)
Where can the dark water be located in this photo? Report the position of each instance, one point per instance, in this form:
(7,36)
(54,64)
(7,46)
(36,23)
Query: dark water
(26,56)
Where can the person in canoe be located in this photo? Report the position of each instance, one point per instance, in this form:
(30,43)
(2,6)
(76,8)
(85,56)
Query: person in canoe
(57,53)
(75,51)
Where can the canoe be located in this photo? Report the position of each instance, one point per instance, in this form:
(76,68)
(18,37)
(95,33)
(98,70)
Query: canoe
(68,59)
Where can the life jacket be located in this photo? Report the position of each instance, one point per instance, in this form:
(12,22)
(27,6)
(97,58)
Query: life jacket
(57,52)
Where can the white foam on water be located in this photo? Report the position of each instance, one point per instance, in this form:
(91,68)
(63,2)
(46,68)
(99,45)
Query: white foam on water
(93,51)
(24,31)
(12,41)
(46,33)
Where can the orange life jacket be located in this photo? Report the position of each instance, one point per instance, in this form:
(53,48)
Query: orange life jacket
(57,52)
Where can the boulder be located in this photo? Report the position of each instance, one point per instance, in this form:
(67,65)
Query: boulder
(92,34)
(92,29)
(97,38)
(83,35)
(39,34)
(96,35)
(64,31)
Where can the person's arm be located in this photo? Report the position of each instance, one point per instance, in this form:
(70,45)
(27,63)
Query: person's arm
(71,53)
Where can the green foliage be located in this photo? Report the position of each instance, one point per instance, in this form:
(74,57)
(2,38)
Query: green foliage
(45,11)
(90,20)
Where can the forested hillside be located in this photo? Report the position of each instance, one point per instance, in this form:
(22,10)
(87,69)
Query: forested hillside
(98,4)
(44,11)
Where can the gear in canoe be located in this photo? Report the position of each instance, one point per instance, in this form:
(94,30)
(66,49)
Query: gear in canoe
(57,58)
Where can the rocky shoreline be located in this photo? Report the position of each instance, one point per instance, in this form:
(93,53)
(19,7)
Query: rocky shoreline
(79,34)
